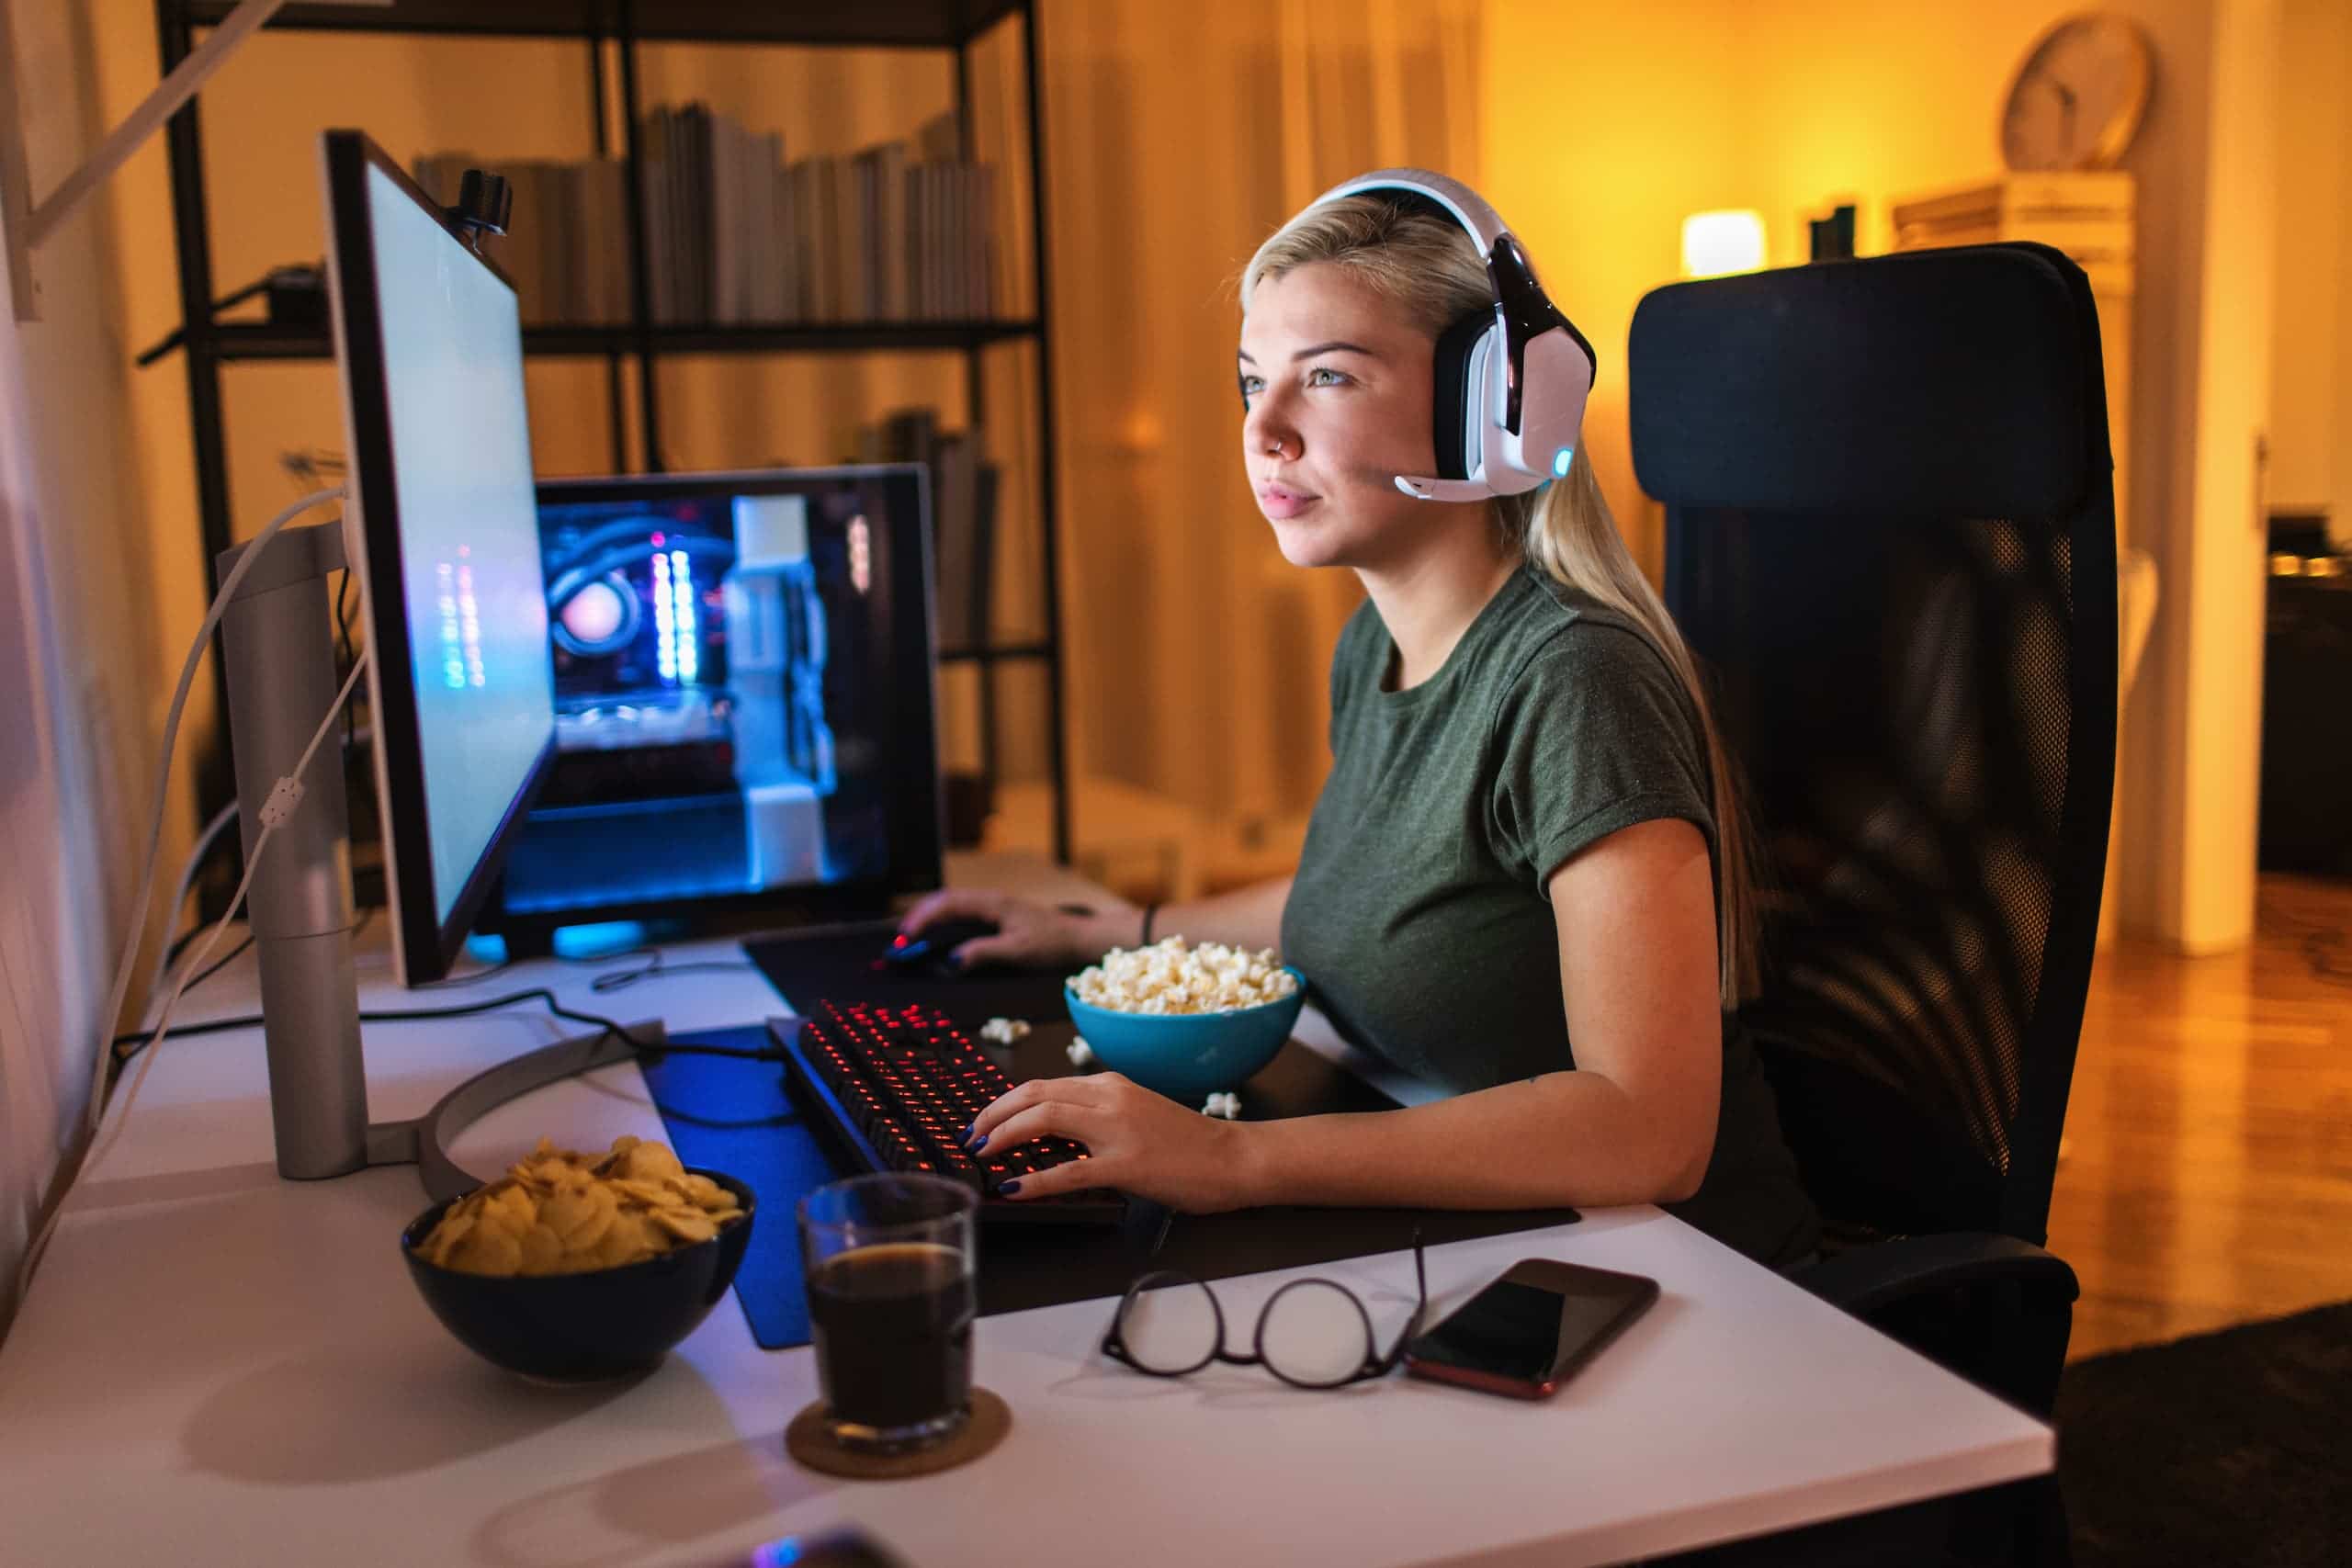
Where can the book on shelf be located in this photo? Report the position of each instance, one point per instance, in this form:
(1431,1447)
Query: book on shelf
(963,515)
(566,248)
(735,233)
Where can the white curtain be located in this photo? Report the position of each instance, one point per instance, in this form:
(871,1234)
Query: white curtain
(1177,138)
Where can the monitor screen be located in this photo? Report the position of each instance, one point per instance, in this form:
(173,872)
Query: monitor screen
(430,345)
(743,695)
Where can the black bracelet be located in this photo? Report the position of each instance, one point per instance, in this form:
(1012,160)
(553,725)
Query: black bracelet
(1149,911)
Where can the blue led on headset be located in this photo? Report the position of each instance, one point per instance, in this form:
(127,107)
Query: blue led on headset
(1560,462)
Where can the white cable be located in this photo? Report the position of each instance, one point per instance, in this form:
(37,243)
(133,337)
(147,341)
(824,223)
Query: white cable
(122,989)
(212,830)
(283,799)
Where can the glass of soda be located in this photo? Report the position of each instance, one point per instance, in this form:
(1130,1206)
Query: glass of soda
(888,1263)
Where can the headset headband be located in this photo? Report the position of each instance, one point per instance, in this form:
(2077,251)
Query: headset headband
(1519,390)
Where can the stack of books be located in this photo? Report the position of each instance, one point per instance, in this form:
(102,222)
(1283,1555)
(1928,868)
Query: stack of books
(963,515)
(736,234)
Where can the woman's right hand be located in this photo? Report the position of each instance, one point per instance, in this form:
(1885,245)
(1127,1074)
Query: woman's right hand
(1027,933)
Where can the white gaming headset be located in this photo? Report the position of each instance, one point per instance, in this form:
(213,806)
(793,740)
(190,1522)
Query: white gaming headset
(1511,381)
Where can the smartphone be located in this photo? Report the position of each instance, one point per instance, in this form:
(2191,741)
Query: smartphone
(1526,1332)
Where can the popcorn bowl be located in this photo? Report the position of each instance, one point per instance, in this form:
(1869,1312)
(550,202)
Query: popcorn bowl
(1189,1056)
(607,1323)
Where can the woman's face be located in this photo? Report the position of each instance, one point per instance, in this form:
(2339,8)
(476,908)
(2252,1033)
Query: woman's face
(1338,388)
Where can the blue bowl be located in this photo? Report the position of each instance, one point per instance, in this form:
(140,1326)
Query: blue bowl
(609,1322)
(1188,1056)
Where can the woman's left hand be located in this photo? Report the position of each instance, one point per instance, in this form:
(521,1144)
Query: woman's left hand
(1138,1142)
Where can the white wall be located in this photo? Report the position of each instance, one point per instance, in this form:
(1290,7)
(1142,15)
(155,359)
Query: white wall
(74,695)
(2188,777)
(1788,106)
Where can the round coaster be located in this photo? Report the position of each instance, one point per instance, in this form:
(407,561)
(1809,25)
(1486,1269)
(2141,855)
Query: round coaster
(810,1441)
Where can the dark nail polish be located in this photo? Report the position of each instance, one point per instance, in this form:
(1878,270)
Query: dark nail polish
(1010,1188)
(975,1145)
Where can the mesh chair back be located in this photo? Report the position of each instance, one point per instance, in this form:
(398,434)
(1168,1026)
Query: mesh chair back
(1891,537)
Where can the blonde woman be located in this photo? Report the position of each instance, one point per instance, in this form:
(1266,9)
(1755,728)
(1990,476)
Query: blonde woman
(1524,881)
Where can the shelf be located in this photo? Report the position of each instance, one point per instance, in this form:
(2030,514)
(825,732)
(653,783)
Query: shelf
(1003,653)
(879,24)
(237,341)
(949,28)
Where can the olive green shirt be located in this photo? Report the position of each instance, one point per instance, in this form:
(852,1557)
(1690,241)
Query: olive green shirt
(1421,915)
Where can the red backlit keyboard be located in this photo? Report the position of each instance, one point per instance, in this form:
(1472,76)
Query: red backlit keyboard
(893,1089)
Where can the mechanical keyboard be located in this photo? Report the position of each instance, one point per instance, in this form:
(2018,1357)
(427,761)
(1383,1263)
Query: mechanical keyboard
(893,1089)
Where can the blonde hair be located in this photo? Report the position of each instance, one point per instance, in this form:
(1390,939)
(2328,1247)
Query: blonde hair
(1428,267)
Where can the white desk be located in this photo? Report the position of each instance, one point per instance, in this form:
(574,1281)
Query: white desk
(215,1366)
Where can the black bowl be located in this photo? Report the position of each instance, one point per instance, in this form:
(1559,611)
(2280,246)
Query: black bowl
(581,1327)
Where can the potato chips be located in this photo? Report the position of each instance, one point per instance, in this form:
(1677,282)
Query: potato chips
(557,1212)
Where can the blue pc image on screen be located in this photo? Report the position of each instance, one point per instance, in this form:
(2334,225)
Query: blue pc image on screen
(743,695)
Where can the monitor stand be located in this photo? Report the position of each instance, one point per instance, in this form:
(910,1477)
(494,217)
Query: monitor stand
(277,639)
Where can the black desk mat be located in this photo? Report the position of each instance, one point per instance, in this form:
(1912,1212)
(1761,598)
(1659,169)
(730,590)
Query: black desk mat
(736,1116)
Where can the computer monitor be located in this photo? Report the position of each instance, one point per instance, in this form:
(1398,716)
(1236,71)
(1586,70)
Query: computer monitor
(443,531)
(743,669)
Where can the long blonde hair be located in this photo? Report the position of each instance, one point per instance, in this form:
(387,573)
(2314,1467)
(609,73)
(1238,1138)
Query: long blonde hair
(1429,267)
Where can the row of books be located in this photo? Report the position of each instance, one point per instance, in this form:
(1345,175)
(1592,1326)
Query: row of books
(735,234)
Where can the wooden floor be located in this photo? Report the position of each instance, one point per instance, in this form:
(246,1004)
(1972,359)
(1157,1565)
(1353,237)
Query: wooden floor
(2205,1178)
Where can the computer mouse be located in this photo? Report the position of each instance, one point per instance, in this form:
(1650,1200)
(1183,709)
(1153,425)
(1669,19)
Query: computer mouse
(932,950)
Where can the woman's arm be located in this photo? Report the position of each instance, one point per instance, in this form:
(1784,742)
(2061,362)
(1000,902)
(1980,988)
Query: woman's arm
(1634,1122)
(1039,934)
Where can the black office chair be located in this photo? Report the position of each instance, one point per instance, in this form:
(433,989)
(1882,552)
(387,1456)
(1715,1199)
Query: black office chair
(1891,537)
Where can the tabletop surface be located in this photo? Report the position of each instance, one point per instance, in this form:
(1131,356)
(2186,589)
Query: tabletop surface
(238,1368)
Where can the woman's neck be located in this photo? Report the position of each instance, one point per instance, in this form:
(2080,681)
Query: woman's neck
(1429,602)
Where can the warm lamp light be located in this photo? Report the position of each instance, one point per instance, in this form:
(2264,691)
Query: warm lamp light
(1714,244)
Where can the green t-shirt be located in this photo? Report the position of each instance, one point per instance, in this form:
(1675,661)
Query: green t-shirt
(1420,914)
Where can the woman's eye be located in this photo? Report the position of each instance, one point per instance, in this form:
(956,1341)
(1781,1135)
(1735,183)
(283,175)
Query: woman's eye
(1337,377)
(1251,386)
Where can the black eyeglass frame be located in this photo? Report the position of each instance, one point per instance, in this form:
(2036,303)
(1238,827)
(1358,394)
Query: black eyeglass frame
(1114,1344)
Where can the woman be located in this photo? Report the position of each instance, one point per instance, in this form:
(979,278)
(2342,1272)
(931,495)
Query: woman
(1524,880)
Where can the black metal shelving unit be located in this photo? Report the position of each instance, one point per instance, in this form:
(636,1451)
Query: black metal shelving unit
(619,26)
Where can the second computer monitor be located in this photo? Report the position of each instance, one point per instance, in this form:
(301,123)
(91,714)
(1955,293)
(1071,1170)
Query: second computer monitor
(429,341)
(744,697)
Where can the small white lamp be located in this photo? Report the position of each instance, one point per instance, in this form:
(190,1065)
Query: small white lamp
(1717,243)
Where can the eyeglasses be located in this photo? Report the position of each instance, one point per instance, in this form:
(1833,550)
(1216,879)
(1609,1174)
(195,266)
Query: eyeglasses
(1311,1333)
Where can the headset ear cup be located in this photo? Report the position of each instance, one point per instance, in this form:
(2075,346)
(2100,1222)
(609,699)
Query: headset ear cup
(1456,407)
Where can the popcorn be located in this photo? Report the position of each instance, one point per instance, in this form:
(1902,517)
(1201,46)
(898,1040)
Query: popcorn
(1173,976)
(1004,1030)
(1226,1107)
(1081,1055)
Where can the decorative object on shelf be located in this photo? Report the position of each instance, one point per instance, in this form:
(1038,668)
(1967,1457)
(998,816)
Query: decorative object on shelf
(1715,244)
(1833,237)
(2077,97)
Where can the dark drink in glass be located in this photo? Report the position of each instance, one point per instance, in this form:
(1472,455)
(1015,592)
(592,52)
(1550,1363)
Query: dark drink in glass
(888,1261)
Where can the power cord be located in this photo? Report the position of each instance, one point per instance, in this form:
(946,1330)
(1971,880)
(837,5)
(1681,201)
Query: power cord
(140,1035)
(284,799)
(656,968)
(137,1043)
(120,990)
(204,840)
